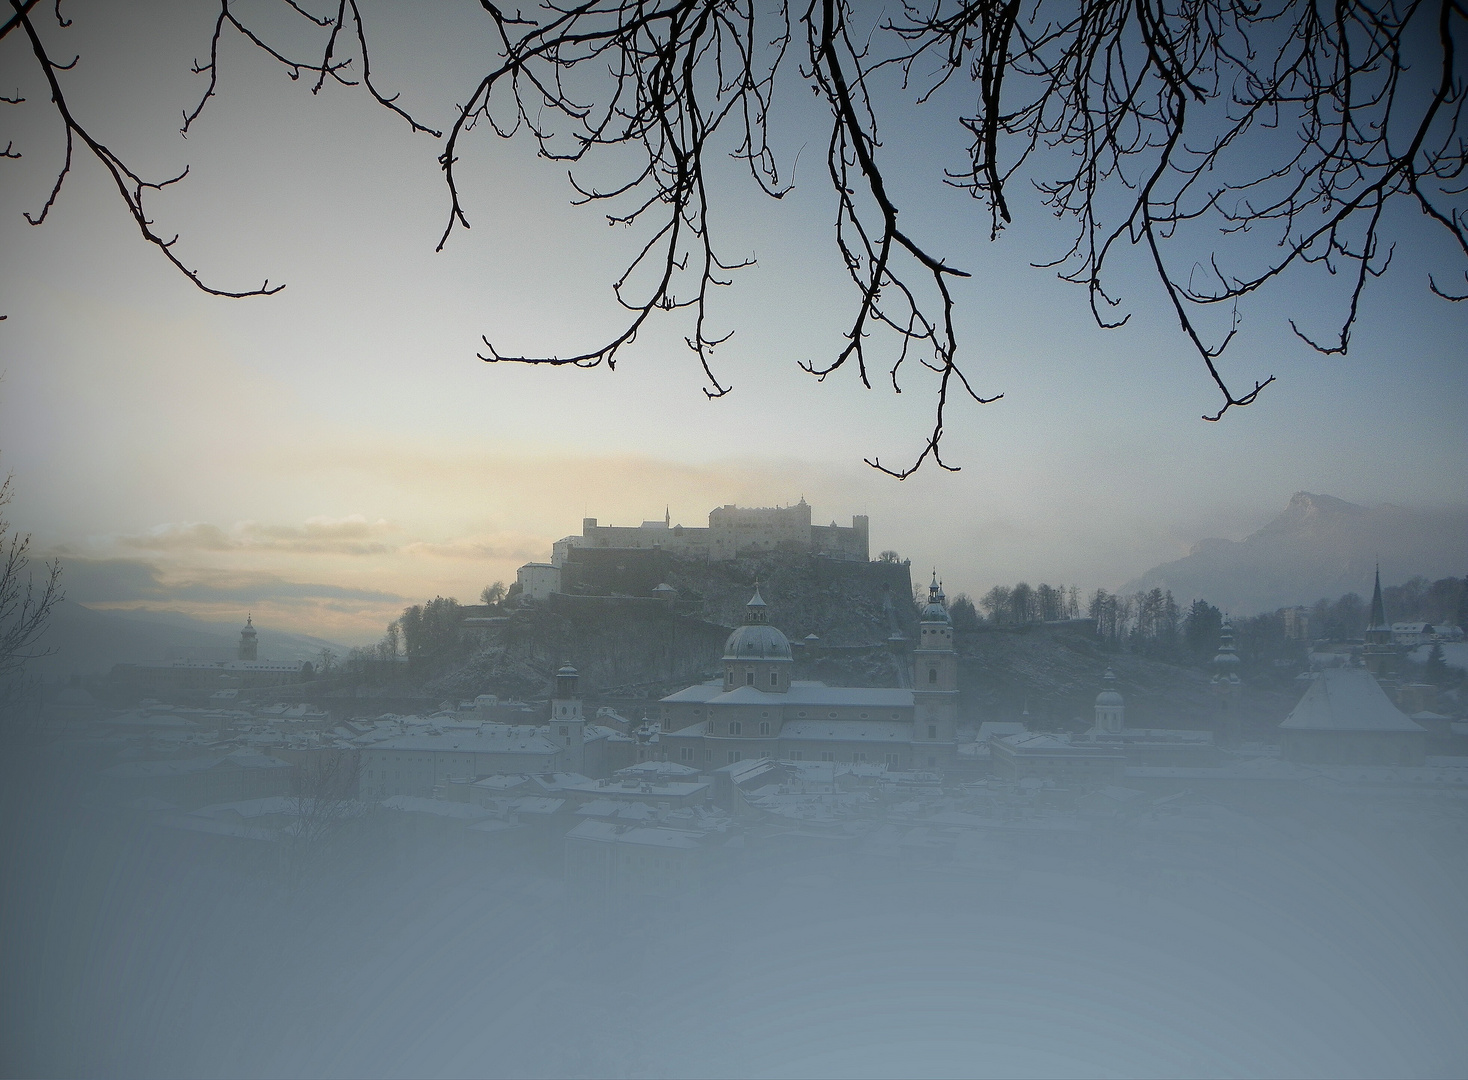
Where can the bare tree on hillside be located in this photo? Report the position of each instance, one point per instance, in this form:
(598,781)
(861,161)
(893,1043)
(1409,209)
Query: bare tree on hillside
(1227,145)
(25,606)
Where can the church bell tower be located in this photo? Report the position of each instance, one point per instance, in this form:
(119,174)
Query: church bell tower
(568,721)
(934,685)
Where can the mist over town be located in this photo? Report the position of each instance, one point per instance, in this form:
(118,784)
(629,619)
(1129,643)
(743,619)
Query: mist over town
(714,538)
(760,800)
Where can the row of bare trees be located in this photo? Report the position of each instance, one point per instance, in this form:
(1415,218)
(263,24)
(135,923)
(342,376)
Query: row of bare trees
(1022,604)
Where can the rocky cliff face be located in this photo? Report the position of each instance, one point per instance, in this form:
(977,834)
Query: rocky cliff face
(1318,547)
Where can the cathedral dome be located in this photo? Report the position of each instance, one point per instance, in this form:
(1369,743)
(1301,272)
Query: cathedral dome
(935,612)
(757,641)
(1108,695)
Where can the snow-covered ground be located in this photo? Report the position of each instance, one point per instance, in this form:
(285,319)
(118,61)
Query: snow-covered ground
(1301,944)
(1455,653)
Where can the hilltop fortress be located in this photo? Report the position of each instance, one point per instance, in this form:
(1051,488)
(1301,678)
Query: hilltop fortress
(732,531)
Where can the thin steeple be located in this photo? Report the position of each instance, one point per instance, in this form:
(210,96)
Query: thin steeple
(1378,609)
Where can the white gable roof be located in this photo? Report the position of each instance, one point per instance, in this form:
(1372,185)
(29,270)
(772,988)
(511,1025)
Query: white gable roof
(1347,699)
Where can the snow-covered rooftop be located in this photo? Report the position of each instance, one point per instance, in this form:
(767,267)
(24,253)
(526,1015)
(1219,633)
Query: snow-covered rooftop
(1347,699)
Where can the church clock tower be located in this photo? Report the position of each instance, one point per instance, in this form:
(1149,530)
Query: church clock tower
(934,685)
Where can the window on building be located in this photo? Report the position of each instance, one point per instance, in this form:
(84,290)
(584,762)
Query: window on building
(565,729)
(708,755)
(799,755)
(932,674)
(749,678)
(686,754)
(774,678)
(892,760)
(764,728)
(828,755)
(857,757)
(734,755)
(736,727)
(932,731)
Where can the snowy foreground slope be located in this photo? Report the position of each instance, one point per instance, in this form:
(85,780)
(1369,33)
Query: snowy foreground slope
(1301,947)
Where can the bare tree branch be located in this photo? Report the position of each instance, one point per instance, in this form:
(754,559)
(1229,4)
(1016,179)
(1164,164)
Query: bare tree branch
(1224,145)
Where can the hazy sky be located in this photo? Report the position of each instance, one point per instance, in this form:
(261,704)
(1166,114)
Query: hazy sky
(328,454)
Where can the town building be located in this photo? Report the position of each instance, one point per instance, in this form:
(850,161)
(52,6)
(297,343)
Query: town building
(758,710)
(1067,763)
(197,670)
(538,580)
(1346,718)
(418,763)
(1412,634)
(1143,746)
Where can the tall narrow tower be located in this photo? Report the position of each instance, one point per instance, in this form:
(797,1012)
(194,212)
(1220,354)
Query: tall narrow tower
(567,721)
(934,685)
(1227,685)
(1378,654)
(249,647)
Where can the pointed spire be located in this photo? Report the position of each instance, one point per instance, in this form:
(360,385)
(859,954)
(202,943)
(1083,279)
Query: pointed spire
(1378,609)
(668,515)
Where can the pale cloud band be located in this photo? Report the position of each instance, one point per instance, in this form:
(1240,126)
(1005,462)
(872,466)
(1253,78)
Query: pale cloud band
(353,535)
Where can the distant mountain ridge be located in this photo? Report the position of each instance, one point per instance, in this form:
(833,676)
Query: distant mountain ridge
(1320,546)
